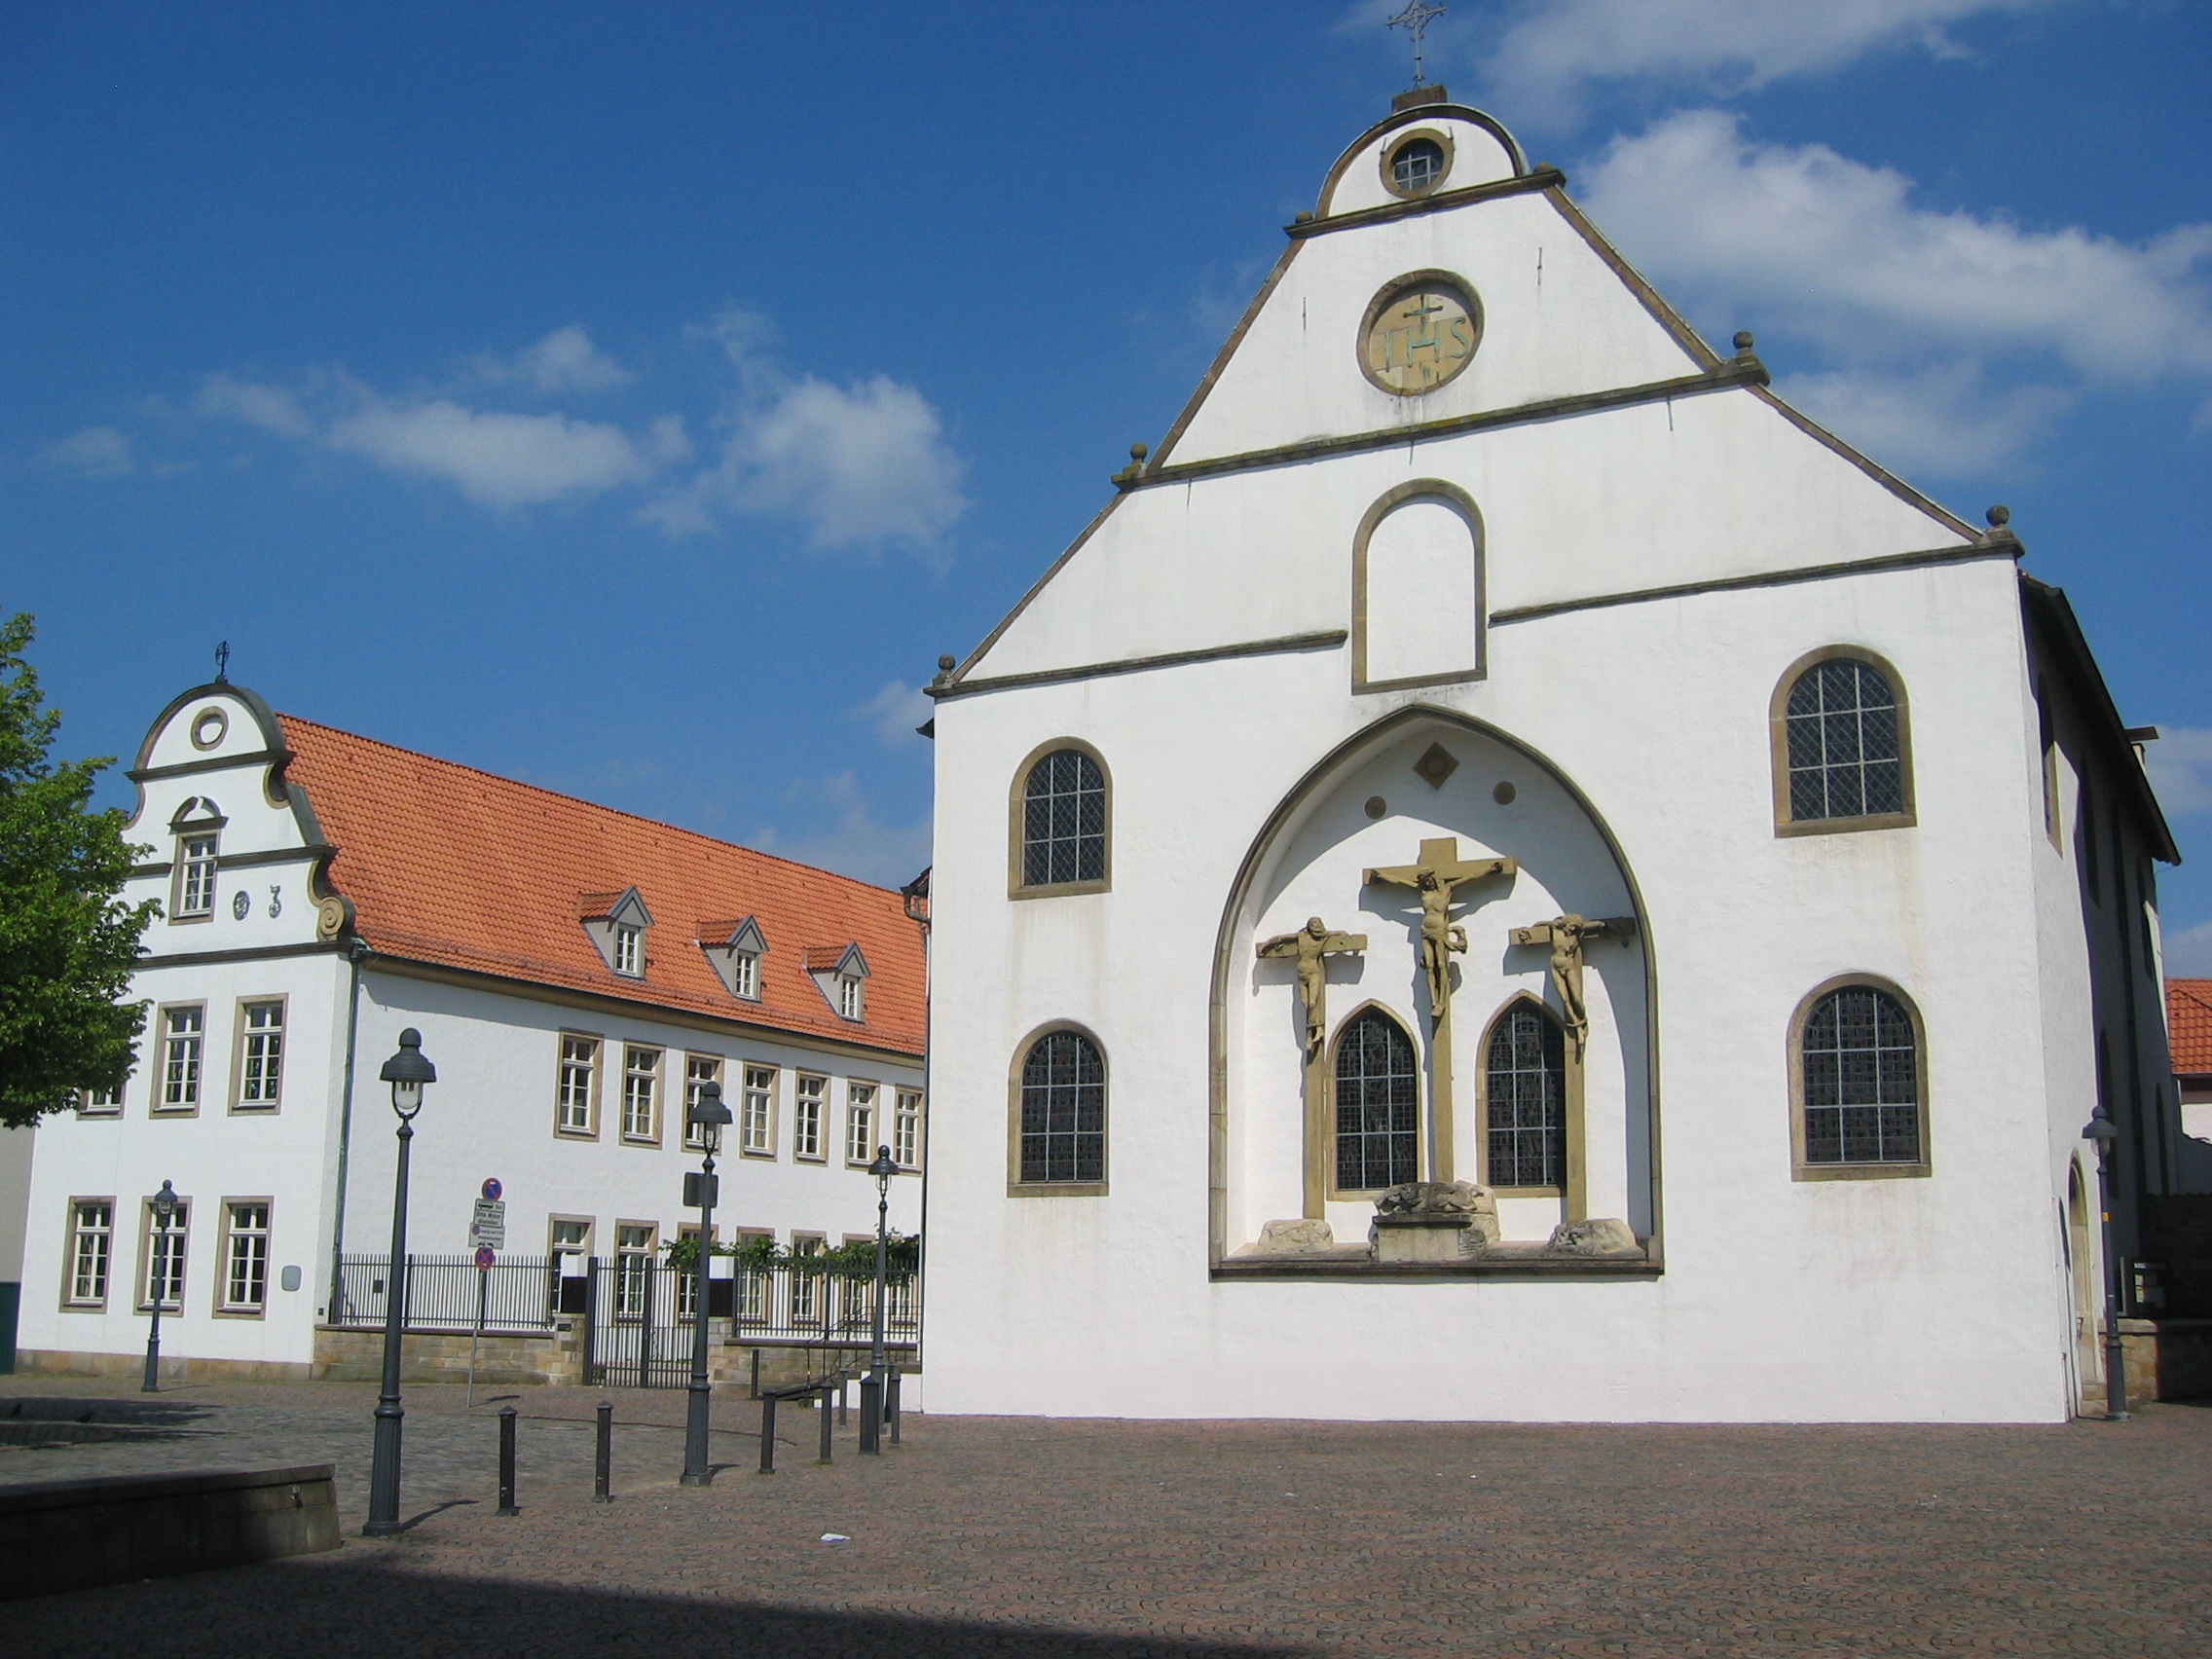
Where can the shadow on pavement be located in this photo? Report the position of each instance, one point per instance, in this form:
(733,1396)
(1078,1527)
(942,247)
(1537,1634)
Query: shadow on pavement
(33,1419)
(337,1609)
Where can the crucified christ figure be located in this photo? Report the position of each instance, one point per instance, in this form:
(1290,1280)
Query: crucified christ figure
(1312,946)
(1436,880)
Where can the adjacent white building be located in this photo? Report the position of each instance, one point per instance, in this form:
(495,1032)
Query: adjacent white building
(1790,901)
(574,973)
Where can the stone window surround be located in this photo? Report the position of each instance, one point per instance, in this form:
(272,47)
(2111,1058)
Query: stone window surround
(1778,734)
(863,1096)
(1016,1186)
(561,1064)
(74,1231)
(155,1105)
(224,1307)
(654,1073)
(1396,497)
(1326,1150)
(773,1088)
(1388,160)
(181,1229)
(1018,795)
(1799,1169)
(239,1035)
(1571,1151)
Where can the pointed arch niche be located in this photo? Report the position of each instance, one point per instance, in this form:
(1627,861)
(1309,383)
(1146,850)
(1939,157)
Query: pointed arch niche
(1369,805)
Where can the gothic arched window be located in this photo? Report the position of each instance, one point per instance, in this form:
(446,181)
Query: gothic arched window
(1378,1104)
(1862,1107)
(1525,1095)
(1060,823)
(1061,1100)
(1842,748)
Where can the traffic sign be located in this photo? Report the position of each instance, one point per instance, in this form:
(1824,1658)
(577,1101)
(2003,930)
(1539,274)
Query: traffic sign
(486,1256)
(490,1225)
(493,1190)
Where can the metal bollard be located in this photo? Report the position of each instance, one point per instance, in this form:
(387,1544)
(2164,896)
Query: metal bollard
(872,1416)
(602,1477)
(828,1422)
(844,1400)
(891,1404)
(768,1434)
(508,1463)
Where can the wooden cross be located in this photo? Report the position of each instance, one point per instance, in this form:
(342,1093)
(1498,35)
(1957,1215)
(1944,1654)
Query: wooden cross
(1565,935)
(1311,947)
(1437,878)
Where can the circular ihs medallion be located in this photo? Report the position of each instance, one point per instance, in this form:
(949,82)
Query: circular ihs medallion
(1419,333)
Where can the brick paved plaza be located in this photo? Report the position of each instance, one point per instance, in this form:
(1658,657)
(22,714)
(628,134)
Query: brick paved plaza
(1116,1539)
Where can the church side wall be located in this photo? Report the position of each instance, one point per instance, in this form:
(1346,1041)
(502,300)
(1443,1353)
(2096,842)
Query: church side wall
(1903,1298)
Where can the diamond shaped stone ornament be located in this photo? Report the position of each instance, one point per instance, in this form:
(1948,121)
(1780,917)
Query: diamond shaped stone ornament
(1436,763)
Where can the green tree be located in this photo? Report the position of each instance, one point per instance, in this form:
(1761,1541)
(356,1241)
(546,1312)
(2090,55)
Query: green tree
(67,941)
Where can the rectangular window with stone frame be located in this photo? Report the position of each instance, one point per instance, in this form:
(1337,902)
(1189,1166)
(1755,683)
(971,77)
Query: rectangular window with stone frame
(634,1250)
(246,1256)
(184,1032)
(575,1104)
(698,1070)
(195,892)
(757,1126)
(261,1055)
(906,1130)
(641,1095)
(92,1250)
(859,1123)
(807,1111)
(162,1252)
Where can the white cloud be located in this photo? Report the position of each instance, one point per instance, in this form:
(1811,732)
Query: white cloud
(2181,770)
(893,713)
(1551,51)
(846,837)
(564,361)
(503,460)
(1837,248)
(92,451)
(2188,953)
(858,465)
(271,408)
(1944,420)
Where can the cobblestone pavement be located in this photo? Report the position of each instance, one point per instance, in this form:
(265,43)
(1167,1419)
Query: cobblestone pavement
(1115,1540)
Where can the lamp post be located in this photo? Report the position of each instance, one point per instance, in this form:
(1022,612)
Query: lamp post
(709,1115)
(872,1385)
(165,1204)
(406,1072)
(2102,1133)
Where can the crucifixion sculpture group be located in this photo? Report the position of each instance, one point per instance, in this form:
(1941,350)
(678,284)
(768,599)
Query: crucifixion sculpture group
(1435,880)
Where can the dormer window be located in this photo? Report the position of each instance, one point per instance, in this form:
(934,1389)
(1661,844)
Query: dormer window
(616,923)
(735,949)
(840,972)
(198,825)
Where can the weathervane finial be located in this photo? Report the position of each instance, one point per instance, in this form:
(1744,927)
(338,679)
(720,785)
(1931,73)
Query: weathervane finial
(223,663)
(1417,17)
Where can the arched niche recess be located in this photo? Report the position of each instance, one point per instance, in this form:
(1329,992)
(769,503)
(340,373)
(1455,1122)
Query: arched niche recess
(1271,1118)
(1416,589)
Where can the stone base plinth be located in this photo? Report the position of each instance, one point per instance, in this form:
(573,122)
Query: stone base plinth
(1418,1238)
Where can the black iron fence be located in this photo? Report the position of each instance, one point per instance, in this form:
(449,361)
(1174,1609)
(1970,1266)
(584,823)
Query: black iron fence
(633,1312)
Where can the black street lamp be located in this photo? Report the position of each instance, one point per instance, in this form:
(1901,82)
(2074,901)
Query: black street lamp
(708,1116)
(406,1072)
(165,1204)
(2102,1133)
(873,1384)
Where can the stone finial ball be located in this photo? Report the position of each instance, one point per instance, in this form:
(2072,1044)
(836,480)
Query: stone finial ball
(1137,452)
(945,664)
(1742,340)
(1998,517)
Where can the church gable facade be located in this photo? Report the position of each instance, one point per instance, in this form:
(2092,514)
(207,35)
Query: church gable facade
(1507,875)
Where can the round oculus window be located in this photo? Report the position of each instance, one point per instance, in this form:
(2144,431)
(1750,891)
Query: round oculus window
(1416,165)
(1419,333)
(209,726)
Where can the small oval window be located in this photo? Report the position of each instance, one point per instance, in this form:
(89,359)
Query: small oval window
(209,726)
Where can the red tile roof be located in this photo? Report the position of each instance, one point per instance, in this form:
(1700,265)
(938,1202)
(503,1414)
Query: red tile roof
(451,866)
(2189,1024)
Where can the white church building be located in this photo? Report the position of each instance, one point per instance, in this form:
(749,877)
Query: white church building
(576,974)
(1508,874)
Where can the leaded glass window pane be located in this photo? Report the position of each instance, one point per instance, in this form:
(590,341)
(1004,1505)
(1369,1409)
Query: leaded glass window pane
(1861,1080)
(1417,165)
(1378,1105)
(1526,1090)
(1063,1110)
(1842,738)
(1064,821)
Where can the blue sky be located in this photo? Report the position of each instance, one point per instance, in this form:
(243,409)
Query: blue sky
(637,400)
